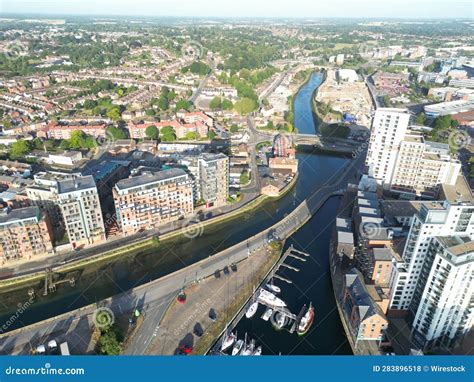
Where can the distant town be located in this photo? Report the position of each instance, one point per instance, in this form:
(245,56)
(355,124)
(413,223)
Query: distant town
(154,173)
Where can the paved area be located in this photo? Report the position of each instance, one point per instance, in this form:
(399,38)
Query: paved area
(216,293)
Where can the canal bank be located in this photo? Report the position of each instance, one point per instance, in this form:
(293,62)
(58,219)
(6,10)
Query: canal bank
(147,244)
(104,280)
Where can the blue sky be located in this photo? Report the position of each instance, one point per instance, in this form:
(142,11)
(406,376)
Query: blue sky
(247,8)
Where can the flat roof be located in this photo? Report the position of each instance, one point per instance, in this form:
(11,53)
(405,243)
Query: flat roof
(21,214)
(396,208)
(457,245)
(76,184)
(382,254)
(460,192)
(141,180)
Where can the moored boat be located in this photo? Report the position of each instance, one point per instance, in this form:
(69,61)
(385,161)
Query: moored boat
(228,341)
(273,288)
(238,347)
(252,309)
(258,351)
(269,298)
(306,321)
(268,313)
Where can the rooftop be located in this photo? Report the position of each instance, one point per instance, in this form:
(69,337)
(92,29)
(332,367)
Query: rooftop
(382,254)
(20,214)
(457,245)
(142,180)
(77,184)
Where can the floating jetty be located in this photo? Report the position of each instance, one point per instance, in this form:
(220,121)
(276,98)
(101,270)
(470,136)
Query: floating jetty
(289,317)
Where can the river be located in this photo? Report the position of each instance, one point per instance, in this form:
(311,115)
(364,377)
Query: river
(313,282)
(97,282)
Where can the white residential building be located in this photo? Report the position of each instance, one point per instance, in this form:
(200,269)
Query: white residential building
(389,127)
(433,219)
(81,211)
(422,167)
(443,304)
(211,177)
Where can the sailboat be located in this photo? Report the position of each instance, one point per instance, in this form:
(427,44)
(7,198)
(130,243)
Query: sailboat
(228,341)
(237,347)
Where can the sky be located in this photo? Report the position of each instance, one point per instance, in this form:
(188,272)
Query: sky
(247,8)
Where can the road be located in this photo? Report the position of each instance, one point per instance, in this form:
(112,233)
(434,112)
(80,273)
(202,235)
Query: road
(255,184)
(152,298)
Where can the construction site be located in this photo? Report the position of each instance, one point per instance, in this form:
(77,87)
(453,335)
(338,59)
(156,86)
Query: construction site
(348,97)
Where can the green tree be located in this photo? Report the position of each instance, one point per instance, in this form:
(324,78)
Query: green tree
(114,113)
(211,135)
(110,341)
(116,132)
(234,128)
(183,104)
(152,132)
(77,140)
(245,106)
(168,134)
(420,119)
(227,104)
(191,136)
(19,149)
(216,103)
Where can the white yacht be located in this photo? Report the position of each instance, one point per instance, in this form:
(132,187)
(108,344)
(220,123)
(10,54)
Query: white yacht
(268,313)
(228,341)
(252,309)
(269,298)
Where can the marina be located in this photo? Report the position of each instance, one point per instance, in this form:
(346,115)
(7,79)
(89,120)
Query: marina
(276,311)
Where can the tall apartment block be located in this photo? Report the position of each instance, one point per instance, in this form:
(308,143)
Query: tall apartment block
(433,219)
(213,179)
(24,232)
(443,301)
(423,166)
(151,200)
(403,162)
(389,127)
(80,208)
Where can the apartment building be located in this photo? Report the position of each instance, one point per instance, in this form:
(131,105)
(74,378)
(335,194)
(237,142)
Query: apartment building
(442,304)
(366,319)
(447,218)
(24,232)
(80,208)
(151,200)
(213,179)
(422,167)
(389,127)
